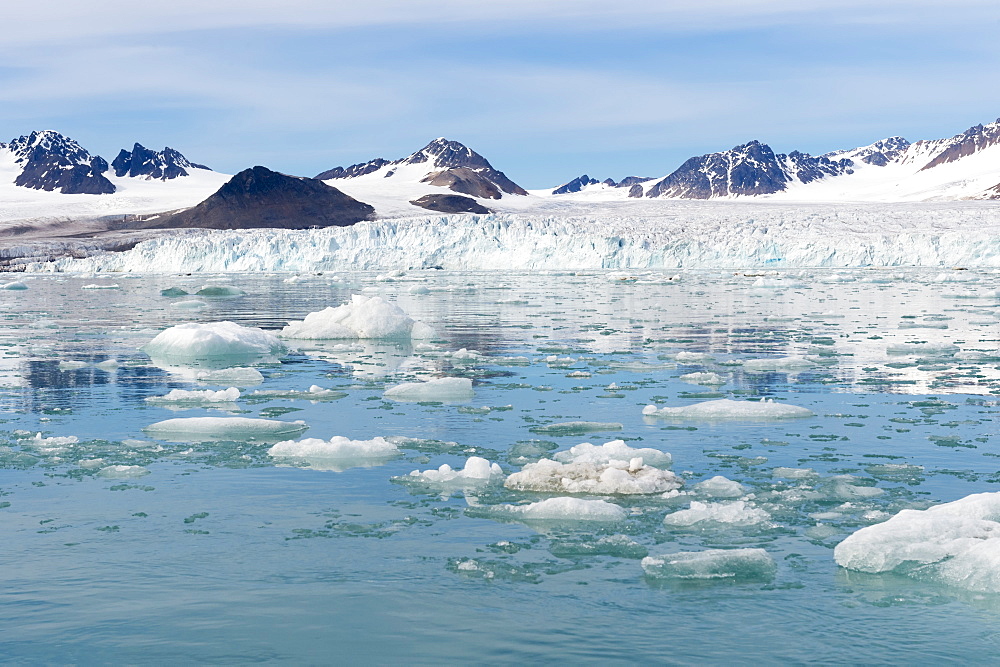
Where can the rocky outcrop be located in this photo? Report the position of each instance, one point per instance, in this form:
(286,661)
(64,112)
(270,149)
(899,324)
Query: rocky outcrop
(259,197)
(577,184)
(50,161)
(157,165)
(971,141)
(465,181)
(450,204)
(353,171)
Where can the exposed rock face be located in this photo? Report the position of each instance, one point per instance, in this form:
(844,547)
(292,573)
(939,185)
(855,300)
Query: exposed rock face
(450,204)
(747,170)
(439,155)
(635,191)
(49,161)
(879,154)
(577,184)
(159,165)
(629,181)
(971,141)
(464,180)
(259,197)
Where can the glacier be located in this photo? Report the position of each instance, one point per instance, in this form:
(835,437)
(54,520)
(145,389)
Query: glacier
(672,235)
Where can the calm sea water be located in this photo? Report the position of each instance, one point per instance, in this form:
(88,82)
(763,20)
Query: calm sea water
(222,554)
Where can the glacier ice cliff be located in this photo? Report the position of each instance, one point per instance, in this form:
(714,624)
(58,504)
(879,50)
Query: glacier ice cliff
(690,236)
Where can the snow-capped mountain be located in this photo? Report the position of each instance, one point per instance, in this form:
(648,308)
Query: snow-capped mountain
(162,165)
(394,185)
(49,161)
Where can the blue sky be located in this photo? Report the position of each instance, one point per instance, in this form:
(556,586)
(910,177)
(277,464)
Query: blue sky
(545,90)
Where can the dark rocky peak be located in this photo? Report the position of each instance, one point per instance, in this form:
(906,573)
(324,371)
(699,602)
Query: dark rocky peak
(880,153)
(577,184)
(259,197)
(353,171)
(50,161)
(445,154)
(745,170)
(971,141)
(630,181)
(159,165)
(450,204)
(806,168)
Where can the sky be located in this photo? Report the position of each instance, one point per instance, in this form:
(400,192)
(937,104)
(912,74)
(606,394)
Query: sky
(546,90)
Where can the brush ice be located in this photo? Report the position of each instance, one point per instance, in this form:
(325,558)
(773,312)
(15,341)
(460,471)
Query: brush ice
(439,389)
(616,450)
(956,543)
(224,428)
(212,341)
(736,513)
(197,396)
(562,509)
(337,447)
(734,564)
(725,409)
(314,393)
(609,478)
(362,317)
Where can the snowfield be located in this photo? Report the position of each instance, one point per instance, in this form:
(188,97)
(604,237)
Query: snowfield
(652,235)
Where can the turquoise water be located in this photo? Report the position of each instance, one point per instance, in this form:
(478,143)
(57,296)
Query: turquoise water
(220,553)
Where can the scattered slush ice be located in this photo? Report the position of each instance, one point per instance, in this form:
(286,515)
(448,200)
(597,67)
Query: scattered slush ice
(197,396)
(122,472)
(736,513)
(733,564)
(562,509)
(616,450)
(725,409)
(610,478)
(438,389)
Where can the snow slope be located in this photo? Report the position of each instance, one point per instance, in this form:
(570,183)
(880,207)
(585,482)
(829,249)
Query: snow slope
(684,235)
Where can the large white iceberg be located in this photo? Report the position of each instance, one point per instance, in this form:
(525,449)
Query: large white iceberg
(212,341)
(725,409)
(363,317)
(337,447)
(957,543)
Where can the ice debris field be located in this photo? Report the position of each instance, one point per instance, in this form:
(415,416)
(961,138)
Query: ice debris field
(578,460)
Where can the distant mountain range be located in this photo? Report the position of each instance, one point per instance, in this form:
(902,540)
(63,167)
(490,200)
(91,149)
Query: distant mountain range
(448,177)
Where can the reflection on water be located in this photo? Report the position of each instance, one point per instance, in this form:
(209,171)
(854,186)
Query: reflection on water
(130,548)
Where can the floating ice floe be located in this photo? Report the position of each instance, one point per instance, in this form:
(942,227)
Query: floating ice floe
(239,376)
(735,513)
(197,396)
(708,379)
(685,357)
(213,341)
(362,317)
(189,304)
(719,487)
(122,472)
(220,291)
(561,509)
(477,471)
(314,393)
(56,444)
(616,450)
(174,291)
(224,428)
(16,285)
(933,349)
(102,286)
(725,409)
(731,564)
(576,428)
(337,447)
(613,477)
(439,389)
(780,364)
(72,365)
(957,543)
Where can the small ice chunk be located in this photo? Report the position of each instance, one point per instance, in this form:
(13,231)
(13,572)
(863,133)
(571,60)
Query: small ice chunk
(476,470)
(616,477)
(212,340)
(616,450)
(173,291)
(122,472)
(189,304)
(735,513)
(708,379)
(224,428)
(337,447)
(719,487)
(239,376)
(733,564)
(314,393)
(686,357)
(220,291)
(794,473)
(779,364)
(102,286)
(362,317)
(956,543)
(933,349)
(16,285)
(563,509)
(197,396)
(72,365)
(725,409)
(439,389)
